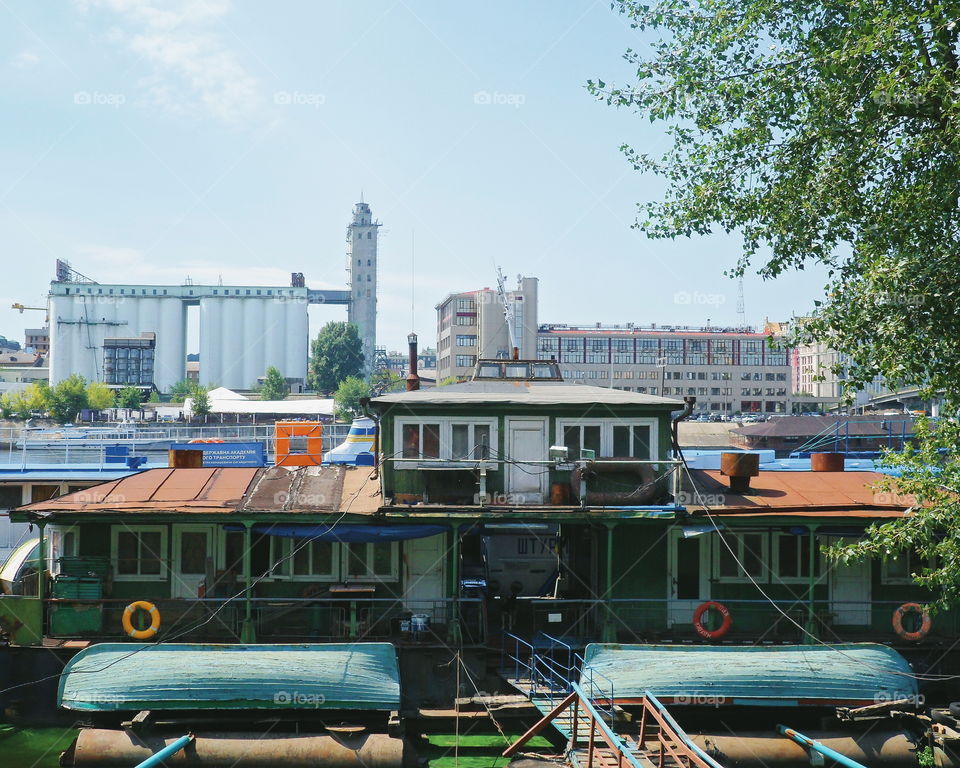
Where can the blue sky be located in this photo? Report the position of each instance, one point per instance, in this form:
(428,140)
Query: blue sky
(149,140)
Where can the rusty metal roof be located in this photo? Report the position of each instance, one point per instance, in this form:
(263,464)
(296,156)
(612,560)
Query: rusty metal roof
(223,490)
(805,494)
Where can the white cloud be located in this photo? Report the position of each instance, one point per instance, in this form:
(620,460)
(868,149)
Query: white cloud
(191,67)
(25,60)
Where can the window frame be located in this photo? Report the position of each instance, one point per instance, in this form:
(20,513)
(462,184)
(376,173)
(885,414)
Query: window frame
(606,432)
(163,530)
(764,556)
(887,579)
(281,551)
(819,574)
(445,424)
(353,579)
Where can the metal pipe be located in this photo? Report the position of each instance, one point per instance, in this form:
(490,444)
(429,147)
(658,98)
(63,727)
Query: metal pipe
(166,752)
(816,746)
(764,749)
(688,403)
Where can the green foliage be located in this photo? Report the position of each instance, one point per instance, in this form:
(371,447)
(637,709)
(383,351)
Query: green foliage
(448,381)
(335,354)
(31,399)
(181,390)
(274,385)
(383,382)
(201,401)
(825,133)
(99,396)
(925,757)
(346,399)
(68,398)
(129,397)
(154,397)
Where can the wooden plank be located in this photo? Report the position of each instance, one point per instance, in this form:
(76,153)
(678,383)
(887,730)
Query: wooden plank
(539,726)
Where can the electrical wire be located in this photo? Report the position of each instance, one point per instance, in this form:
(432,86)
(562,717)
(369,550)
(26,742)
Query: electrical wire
(784,614)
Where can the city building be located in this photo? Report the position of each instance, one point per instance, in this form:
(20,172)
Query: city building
(20,369)
(728,370)
(473,325)
(37,339)
(362,235)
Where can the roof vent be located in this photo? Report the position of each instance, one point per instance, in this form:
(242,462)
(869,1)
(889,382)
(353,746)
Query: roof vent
(740,467)
(826,462)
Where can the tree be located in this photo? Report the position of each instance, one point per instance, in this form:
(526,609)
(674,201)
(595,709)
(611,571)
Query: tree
(154,397)
(823,133)
(200,401)
(99,396)
(346,399)
(335,354)
(33,399)
(68,398)
(129,397)
(274,386)
(384,381)
(181,390)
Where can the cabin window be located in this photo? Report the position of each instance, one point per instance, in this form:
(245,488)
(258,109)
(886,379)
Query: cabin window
(609,437)
(62,542)
(469,441)
(371,560)
(11,496)
(791,557)
(139,553)
(421,441)
(43,492)
(749,548)
(306,559)
(898,567)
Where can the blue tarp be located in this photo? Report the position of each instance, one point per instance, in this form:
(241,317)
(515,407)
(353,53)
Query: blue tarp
(346,533)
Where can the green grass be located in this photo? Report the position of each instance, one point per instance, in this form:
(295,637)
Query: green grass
(33,747)
(477,750)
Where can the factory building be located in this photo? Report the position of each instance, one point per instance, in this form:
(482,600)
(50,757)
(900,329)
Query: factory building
(362,236)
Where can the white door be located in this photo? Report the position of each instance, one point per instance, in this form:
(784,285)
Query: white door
(526,441)
(688,576)
(850,591)
(423,585)
(193,553)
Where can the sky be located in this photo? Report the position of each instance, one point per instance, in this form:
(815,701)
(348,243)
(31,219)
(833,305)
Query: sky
(146,141)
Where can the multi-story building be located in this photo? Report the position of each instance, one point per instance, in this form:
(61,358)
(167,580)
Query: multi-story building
(473,324)
(729,370)
(38,339)
(399,362)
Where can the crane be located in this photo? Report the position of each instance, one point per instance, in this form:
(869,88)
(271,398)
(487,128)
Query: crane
(508,315)
(21,307)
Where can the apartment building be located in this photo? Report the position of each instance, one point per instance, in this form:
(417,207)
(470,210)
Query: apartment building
(729,370)
(473,324)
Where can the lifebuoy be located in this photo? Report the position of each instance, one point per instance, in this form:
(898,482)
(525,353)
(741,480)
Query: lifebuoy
(712,634)
(141,634)
(925,622)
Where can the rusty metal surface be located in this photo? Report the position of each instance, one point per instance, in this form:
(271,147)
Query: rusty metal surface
(850,494)
(326,489)
(878,749)
(813,425)
(107,748)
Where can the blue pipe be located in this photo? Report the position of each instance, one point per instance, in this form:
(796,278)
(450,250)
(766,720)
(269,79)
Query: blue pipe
(163,754)
(816,746)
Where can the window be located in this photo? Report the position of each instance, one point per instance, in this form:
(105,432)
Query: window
(63,542)
(139,553)
(449,438)
(421,441)
(466,320)
(609,437)
(466,305)
(897,567)
(371,560)
(466,340)
(750,550)
(307,559)
(466,361)
(792,557)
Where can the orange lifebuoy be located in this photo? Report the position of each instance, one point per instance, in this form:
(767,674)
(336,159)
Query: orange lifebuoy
(127,620)
(712,634)
(925,622)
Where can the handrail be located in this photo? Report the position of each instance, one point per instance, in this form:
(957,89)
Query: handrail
(665,719)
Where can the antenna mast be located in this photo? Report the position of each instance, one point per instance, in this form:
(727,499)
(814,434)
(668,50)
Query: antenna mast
(507,314)
(741,312)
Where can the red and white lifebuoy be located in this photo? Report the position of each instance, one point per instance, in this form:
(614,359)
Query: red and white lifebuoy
(712,634)
(925,622)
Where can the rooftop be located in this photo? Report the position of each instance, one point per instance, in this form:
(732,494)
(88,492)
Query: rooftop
(649,330)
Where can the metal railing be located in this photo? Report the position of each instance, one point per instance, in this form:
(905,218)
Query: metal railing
(278,619)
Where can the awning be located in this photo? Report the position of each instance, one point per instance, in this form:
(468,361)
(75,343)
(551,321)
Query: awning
(346,533)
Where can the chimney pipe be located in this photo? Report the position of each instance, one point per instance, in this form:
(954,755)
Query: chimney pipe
(827,462)
(740,467)
(413,380)
(516,353)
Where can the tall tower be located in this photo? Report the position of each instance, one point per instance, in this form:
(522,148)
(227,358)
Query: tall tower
(362,234)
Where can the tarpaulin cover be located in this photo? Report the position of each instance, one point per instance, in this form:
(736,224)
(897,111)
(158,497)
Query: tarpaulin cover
(349,534)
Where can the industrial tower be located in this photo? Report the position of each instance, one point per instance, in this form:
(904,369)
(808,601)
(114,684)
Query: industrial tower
(362,235)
